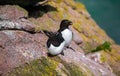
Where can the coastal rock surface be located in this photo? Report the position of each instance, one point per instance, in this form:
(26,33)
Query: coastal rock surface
(23,44)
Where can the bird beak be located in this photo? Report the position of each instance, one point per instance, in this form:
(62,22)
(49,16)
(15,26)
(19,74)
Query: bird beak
(71,23)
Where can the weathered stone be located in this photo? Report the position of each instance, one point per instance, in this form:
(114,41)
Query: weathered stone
(19,47)
(76,37)
(14,12)
(12,17)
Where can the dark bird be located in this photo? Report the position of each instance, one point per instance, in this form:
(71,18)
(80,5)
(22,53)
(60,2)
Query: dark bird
(66,32)
(55,43)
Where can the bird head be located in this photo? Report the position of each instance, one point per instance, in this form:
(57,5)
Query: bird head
(65,23)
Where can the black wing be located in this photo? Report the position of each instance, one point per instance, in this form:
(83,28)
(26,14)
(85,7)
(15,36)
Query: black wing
(48,33)
(56,40)
(53,42)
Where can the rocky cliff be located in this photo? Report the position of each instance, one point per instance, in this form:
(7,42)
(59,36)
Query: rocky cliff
(23,44)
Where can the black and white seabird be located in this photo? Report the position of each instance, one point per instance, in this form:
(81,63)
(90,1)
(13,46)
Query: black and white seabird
(66,32)
(55,43)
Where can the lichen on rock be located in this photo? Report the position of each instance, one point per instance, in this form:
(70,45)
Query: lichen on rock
(42,67)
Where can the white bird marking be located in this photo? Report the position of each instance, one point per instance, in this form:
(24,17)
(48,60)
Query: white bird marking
(67,35)
(56,50)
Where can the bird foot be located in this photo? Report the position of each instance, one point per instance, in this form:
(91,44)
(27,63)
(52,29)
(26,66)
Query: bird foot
(70,48)
(62,53)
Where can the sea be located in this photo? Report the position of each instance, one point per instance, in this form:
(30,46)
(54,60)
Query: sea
(106,13)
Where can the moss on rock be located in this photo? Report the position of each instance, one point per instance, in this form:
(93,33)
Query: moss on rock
(47,67)
(22,9)
(73,69)
(38,67)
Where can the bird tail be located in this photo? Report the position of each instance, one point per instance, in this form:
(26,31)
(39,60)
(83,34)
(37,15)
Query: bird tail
(47,33)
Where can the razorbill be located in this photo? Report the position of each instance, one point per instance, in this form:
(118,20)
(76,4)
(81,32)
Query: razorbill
(55,43)
(66,32)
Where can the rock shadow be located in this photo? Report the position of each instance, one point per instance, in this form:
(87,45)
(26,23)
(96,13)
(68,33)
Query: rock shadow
(39,11)
(21,2)
(34,10)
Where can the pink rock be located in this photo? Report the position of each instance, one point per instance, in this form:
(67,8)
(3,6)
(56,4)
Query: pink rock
(18,47)
(14,12)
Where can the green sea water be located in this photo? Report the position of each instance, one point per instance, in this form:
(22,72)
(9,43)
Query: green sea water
(107,15)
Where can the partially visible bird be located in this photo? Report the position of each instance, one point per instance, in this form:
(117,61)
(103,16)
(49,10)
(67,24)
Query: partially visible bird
(66,32)
(55,43)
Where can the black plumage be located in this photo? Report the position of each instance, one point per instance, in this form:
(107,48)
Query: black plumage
(55,40)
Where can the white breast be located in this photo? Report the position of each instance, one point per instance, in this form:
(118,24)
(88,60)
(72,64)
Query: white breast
(67,35)
(56,50)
